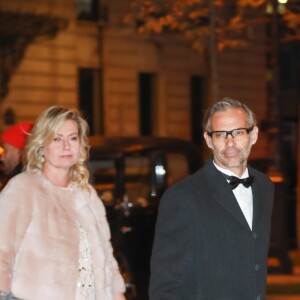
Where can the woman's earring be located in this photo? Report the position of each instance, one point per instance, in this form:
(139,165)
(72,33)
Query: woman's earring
(41,155)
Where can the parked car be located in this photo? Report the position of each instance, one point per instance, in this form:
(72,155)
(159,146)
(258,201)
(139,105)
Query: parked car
(130,174)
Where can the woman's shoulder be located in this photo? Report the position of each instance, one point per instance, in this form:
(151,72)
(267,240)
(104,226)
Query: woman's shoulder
(23,180)
(24,176)
(87,190)
(18,191)
(94,197)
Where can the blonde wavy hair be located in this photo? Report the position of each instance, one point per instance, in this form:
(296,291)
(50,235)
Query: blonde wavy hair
(43,132)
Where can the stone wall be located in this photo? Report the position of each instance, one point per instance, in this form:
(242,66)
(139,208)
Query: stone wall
(48,73)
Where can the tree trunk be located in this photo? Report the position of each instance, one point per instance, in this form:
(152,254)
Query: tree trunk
(298,187)
(213,56)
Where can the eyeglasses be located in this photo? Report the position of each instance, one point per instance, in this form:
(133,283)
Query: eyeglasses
(237,134)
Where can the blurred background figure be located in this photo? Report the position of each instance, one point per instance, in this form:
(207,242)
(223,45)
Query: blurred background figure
(3,176)
(14,140)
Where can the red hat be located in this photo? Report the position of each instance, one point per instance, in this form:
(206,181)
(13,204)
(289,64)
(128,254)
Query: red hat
(16,135)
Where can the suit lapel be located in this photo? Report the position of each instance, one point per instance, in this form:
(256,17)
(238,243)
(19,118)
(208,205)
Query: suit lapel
(258,201)
(223,194)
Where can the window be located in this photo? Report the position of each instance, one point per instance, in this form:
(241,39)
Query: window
(90,98)
(288,65)
(147,83)
(87,10)
(105,176)
(196,112)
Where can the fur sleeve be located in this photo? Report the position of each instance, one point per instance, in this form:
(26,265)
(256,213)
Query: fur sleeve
(117,279)
(15,215)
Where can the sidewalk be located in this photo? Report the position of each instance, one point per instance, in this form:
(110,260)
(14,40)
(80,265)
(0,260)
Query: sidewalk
(283,297)
(285,286)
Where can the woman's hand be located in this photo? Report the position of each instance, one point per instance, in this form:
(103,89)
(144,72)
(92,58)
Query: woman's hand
(120,297)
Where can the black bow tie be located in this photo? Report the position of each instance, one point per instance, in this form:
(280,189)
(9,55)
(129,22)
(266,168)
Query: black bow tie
(235,181)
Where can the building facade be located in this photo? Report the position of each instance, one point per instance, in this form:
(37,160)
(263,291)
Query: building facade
(125,83)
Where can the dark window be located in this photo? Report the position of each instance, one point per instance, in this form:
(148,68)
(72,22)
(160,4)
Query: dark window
(196,93)
(90,98)
(288,64)
(146,97)
(87,10)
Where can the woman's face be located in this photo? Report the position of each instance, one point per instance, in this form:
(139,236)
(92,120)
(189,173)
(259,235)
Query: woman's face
(63,151)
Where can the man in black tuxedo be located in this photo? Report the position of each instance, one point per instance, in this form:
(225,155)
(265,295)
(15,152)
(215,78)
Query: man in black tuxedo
(213,228)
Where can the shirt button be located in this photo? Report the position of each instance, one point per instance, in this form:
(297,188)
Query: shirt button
(258,297)
(257,267)
(254,236)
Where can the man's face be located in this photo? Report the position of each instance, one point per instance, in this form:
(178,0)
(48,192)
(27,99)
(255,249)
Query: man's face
(11,157)
(231,153)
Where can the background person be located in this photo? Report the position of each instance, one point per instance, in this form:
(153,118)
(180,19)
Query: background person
(212,234)
(14,139)
(55,239)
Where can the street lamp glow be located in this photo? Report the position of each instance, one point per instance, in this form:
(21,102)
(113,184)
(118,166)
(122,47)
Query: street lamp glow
(160,170)
(282,1)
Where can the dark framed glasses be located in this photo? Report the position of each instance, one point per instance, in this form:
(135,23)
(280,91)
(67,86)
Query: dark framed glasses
(238,133)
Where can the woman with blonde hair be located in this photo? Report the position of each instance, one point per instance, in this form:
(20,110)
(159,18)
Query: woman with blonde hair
(55,239)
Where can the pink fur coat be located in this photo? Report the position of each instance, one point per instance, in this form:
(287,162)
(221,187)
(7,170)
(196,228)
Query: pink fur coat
(39,240)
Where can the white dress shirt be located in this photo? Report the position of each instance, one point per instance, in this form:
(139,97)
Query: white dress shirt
(243,195)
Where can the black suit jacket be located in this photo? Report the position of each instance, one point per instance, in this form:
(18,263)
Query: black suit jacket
(203,247)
